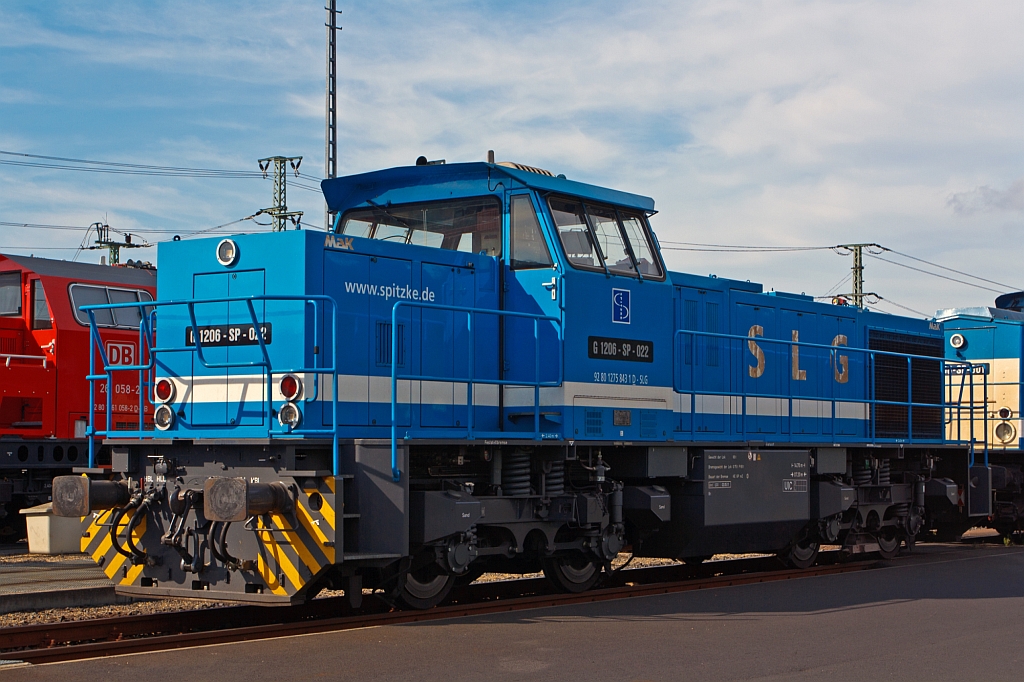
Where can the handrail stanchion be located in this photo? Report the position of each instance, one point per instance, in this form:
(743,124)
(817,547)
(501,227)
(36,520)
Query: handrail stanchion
(92,394)
(334,388)
(142,383)
(536,378)
(268,370)
(985,413)
(469,387)
(396,474)
(910,399)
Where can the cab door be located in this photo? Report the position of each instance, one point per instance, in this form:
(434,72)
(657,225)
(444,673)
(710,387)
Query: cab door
(703,371)
(531,283)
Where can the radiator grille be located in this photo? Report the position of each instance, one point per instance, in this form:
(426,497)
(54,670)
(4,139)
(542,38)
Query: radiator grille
(384,344)
(648,423)
(9,344)
(891,382)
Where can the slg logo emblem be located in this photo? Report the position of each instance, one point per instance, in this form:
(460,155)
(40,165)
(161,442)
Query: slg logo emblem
(620,306)
(333,242)
(120,353)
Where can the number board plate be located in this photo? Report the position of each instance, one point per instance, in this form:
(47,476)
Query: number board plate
(603,348)
(963,370)
(229,335)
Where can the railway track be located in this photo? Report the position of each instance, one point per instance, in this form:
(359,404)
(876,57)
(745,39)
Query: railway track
(55,642)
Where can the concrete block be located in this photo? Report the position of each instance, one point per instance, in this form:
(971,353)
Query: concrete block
(49,534)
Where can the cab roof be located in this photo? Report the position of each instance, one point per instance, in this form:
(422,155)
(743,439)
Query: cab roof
(47,267)
(407,184)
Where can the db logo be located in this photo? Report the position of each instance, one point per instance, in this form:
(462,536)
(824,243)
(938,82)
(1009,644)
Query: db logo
(119,353)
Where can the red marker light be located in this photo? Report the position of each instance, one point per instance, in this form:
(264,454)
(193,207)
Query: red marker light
(164,390)
(291,387)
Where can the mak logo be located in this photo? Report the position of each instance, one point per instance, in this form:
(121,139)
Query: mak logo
(120,353)
(620,306)
(335,242)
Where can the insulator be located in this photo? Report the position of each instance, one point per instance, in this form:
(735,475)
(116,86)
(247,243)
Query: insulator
(515,473)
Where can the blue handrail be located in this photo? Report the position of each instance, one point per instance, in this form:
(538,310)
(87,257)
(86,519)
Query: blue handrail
(148,347)
(834,351)
(537,384)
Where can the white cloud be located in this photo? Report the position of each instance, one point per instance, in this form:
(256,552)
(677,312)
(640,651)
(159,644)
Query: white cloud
(985,198)
(775,122)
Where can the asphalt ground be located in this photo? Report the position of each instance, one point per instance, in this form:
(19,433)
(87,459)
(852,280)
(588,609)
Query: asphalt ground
(946,612)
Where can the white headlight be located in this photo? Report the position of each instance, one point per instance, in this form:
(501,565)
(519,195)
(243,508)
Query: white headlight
(163,418)
(227,252)
(1005,432)
(957,341)
(289,415)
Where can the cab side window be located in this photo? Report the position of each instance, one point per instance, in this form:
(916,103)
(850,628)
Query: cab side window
(40,311)
(122,318)
(528,247)
(467,225)
(599,237)
(10,293)
(609,238)
(571,223)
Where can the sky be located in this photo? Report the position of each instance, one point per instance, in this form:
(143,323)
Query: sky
(781,123)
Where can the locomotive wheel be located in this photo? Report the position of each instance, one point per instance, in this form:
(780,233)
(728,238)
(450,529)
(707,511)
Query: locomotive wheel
(425,588)
(802,553)
(572,573)
(888,543)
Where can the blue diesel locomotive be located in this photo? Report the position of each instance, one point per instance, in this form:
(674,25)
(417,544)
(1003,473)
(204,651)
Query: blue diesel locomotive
(487,367)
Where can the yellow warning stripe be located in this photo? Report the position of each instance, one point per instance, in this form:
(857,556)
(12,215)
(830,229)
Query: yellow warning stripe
(313,529)
(117,561)
(296,542)
(106,545)
(95,528)
(136,570)
(281,559)
(327,511)
(133,573)
(268,576)
(329,480)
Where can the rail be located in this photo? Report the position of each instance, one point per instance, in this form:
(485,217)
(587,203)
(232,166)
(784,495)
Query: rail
(471,378)
(953,412)
(149,351)
(7,357)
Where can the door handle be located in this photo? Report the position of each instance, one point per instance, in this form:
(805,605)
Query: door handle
(552,286)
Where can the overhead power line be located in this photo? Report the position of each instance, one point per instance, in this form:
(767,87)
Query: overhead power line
(88,165)
(935,274)
(943,267)
(900,305)
(735,248)
(669,245)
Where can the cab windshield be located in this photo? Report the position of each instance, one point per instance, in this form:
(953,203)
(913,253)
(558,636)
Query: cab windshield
(468,225)
(597,236)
